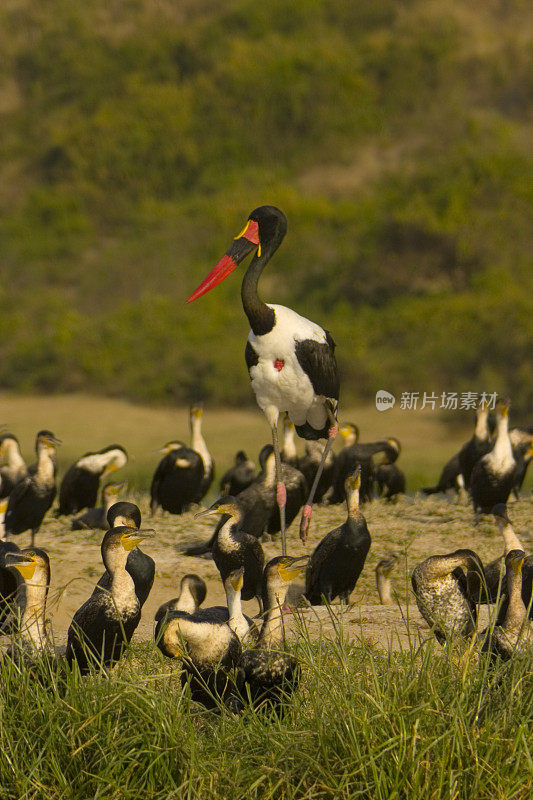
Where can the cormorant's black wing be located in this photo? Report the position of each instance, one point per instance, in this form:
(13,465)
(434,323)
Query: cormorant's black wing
(317,359)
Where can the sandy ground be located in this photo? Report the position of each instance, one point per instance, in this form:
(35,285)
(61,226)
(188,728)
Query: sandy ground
(414,528)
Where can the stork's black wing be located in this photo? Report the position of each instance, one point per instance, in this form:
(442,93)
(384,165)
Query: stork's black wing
(317,359)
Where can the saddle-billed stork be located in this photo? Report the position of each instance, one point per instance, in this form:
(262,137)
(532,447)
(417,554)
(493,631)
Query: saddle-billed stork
(291,360)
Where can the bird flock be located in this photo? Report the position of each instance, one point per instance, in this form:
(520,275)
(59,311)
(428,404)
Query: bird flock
(227,658)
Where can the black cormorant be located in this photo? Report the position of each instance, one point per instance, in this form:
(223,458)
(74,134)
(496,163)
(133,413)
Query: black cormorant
(493,475)
(105,623)
(338,560)
(308,465)
(522,444)
(239,476)
(97,517)
(441,585)
(80,484)
(33,496)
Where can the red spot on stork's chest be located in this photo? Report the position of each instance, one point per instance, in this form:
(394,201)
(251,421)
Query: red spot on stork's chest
(279,364)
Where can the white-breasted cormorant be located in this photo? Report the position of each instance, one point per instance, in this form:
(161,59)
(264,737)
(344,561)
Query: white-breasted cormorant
(442,589)
(192,594)
(8,586)
(105,623)
(389,478)
(267,676)
(81,482)
(177,479)
(234,548)
(477,446)
(384,569)
(239,477)
(33,566)
(97,517)
(450,478)
(522,444)
(356,454)
(198,444)
(493,475)
(15,469)
(339,558)
(291,360)
(33,496)
(140,565)
(514,632)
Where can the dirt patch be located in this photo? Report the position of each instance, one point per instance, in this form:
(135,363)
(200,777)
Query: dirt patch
(414,528)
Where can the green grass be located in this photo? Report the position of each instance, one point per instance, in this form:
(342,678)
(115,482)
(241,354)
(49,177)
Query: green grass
(423,723)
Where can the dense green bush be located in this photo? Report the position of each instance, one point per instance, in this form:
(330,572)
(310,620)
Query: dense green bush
(138,136)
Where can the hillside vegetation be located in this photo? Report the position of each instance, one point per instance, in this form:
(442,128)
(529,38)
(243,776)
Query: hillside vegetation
(137,136)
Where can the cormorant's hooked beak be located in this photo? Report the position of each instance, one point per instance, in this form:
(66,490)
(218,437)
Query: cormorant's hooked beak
(131,539)
(25,564)
(243,245)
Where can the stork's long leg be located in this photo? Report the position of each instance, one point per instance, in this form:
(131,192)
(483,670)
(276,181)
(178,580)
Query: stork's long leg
(308,508)
(281,491)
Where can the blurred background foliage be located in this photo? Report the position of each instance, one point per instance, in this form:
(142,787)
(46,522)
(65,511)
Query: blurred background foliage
(138,135)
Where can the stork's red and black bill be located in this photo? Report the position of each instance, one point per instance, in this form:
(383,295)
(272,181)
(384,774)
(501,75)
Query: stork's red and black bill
(244,244)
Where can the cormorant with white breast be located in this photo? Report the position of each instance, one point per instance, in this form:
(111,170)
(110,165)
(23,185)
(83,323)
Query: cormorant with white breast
(384,569)
(514,632)
(193,591)
(234,548)
(290,359)
(15,470)
(493,475)
(33,496)
(476,447)
(177,479)
(140,565)
(33,566)
(81,482)
(198,444)
(239,477)
(266,675)
(105,623)
(339,558)
(97,517)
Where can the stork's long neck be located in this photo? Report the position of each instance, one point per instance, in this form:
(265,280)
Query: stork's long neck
(260,316)
(198,442)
